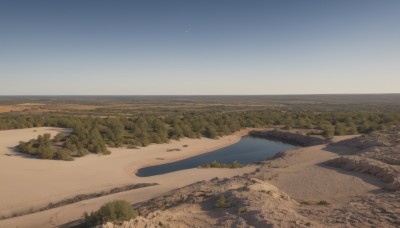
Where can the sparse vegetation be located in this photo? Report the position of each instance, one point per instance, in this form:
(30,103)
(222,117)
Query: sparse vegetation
(92,134)
(323,202)
(79,198)
(222,203)
(305,203)
(118,210)
(216,164)
(43,148)
(328,130)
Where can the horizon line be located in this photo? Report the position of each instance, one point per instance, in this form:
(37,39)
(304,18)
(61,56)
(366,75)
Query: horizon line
(181,95)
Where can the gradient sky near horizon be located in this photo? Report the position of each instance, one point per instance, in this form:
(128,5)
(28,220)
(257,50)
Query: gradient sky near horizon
(188,47)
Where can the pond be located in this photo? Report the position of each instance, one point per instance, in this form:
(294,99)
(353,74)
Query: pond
(248,150)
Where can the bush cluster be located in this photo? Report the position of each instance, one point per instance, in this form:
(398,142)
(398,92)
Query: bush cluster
(93,134)
(42,147)
(118,210)
(216,164)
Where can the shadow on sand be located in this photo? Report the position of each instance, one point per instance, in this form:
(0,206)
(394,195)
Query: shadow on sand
(343,150)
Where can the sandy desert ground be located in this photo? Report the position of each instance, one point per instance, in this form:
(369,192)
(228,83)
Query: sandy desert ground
(31,183)
(283,191)
(294,190)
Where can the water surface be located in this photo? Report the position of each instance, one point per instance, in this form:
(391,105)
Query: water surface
(248,150)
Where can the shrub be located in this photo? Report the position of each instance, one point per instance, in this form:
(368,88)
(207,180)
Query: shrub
(340,129)
(328,131)
(215,164)
(235,164)
(46,152)
(60,137)
(222,203)
(323,202)
(63,154)
(118,210)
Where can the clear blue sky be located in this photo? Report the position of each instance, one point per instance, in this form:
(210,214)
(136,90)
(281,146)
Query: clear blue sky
(73,47)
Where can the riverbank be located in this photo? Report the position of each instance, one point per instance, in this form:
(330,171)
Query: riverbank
(294,190)
(289,137)
(32,183)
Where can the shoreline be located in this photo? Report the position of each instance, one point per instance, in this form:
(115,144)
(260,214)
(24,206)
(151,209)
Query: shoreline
(197,149)
(52,181)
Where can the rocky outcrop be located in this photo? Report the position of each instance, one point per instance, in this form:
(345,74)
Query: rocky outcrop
(288,137)
(383,171)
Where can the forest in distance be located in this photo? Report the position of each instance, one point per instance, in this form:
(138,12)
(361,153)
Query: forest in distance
(126,105)
(94,134)
(98,122)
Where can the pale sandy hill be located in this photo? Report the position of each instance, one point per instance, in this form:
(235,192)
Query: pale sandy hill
(284,192)
(27,183)
(295,190)
(252,203)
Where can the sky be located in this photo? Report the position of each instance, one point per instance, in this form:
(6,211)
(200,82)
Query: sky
(199,47)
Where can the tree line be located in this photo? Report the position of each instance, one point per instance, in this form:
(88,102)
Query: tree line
(94,134)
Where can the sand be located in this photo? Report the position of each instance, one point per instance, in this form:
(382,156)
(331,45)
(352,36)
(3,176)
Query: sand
(299,175)
(31,183)
(302,175)
(284,192)
(10,138)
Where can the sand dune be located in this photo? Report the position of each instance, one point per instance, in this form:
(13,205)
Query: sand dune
(30,183)
(294,190)
(300,173)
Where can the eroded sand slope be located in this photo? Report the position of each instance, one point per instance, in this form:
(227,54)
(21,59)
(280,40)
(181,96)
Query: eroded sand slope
(298,189)
(28,183)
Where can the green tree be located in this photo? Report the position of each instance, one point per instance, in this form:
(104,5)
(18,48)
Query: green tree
(328,131)
(63,154)
(340,129)
(59,137)
(46,152)
(210,132)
